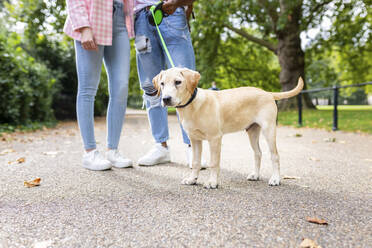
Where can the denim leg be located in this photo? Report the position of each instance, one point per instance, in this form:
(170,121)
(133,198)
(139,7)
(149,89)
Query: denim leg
(117,63)
(177,37)
(88,64)
(150,61)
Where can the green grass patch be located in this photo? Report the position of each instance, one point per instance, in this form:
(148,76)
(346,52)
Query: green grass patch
(28,127)
(345,107)
(358,119)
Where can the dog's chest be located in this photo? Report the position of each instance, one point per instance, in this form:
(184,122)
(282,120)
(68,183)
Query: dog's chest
(196,131)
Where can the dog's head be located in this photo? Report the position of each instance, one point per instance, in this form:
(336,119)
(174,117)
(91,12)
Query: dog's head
(176,85)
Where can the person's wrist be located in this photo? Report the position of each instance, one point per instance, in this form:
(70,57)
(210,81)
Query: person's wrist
(82,29)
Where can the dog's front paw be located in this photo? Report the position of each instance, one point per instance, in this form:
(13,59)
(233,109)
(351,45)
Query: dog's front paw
(189,181)
(253,177)
(274,180)
(211,184)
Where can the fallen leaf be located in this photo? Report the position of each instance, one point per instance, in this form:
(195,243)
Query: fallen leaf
(329,140)
(290,177)
(33,183)
(298,135)
(317,221)
(308,243)
(314,159)
(21,160)
(6,151)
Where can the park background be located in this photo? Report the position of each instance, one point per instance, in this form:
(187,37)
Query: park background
(259,43)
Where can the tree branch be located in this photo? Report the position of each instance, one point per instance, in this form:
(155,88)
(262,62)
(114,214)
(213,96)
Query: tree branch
(271,12)
(254,39)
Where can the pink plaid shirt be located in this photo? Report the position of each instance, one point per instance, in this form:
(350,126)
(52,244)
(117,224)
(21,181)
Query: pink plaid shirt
(96,14)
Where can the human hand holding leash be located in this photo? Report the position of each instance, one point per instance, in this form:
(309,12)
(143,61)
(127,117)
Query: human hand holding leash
(87,39)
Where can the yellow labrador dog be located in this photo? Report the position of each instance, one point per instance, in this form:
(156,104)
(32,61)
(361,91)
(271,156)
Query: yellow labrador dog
(208,115)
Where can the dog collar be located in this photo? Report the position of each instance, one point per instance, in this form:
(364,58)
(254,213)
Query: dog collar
(190,100)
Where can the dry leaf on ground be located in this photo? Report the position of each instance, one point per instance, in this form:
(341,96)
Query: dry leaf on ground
(314,159)
(298,135)
(18,161)
(21,160)
(308,243)
(317,221)
(6,151)
(290,177)
(33,183)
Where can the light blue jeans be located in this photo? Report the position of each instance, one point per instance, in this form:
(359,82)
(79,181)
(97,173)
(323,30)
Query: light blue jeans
(151,59)
(89,63)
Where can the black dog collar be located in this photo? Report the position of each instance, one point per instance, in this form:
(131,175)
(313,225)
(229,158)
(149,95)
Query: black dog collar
(190,100)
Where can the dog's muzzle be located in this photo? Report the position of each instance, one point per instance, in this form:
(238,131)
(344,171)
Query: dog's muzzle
(167,100)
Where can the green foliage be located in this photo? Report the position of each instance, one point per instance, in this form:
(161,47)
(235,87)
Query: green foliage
(228,59)
(26,87)
(352,120)
(345,48)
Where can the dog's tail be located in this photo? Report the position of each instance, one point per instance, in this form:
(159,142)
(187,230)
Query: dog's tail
(288,94)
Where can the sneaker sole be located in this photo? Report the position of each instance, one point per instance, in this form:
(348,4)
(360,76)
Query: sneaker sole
(105,169)
(162,162)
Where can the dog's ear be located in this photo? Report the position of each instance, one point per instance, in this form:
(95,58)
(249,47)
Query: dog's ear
(156,82)
(192,79)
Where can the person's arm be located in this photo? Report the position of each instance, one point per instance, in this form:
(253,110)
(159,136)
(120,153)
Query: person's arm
(170,6)
(78,14)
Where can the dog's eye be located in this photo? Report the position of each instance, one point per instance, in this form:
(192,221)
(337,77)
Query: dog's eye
(162,83)
(177,82)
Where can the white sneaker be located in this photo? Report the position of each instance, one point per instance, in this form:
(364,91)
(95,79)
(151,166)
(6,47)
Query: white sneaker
(189,159)
(93,160)
(117,160)
(157,155)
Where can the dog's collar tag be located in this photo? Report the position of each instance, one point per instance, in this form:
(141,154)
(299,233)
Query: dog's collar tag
(190,100)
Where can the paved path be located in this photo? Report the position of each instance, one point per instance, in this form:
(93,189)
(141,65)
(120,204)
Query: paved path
(148,207)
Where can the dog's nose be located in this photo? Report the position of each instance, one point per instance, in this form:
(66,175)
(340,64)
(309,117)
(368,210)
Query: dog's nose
(167,100)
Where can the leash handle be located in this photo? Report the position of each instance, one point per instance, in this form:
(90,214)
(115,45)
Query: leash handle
(162,40)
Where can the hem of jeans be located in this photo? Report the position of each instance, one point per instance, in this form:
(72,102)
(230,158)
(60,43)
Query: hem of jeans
(90,147)
(112,147)
(161,140)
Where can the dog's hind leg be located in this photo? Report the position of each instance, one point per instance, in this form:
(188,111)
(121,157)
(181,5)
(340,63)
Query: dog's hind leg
(215,151)
(269,131)
(254,137)
(197,147)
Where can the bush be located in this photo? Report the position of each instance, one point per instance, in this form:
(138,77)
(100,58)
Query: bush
(26,87)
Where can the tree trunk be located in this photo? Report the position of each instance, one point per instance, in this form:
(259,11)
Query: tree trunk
(290,55)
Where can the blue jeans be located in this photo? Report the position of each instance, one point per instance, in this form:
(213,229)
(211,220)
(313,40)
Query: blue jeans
(151,59)
(89,63)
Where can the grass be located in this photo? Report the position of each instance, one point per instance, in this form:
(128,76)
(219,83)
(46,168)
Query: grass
(352,118)
(28,127)
(345,107)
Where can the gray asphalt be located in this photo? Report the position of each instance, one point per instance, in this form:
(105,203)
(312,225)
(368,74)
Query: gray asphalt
(148,207)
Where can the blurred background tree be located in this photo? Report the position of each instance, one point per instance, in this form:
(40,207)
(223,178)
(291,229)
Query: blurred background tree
(276,25)
(260,43)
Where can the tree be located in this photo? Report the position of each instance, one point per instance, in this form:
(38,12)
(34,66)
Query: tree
(279,24)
